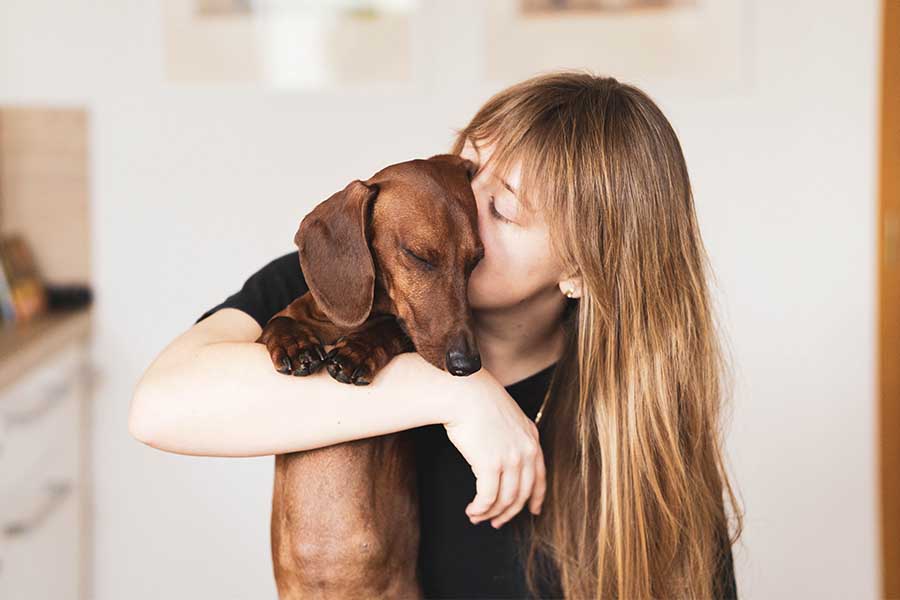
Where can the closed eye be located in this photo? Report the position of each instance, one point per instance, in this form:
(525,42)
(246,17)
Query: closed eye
(421,260)
(497,215)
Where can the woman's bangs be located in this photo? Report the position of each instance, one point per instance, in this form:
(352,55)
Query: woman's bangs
(525,152)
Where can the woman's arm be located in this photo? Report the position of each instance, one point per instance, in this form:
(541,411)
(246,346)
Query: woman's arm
(214,392)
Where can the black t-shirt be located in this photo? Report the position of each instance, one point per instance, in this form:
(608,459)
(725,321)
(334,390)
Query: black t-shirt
(456,558)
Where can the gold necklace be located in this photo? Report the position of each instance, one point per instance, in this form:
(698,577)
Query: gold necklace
(540,412)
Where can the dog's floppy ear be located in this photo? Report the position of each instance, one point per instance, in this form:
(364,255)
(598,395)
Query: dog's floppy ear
(333,241)
(470,167)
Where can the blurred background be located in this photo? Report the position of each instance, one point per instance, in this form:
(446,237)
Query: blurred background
(154,154)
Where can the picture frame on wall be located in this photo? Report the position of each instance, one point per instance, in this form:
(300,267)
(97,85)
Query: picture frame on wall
(289,44)
(548,7)
(658,42)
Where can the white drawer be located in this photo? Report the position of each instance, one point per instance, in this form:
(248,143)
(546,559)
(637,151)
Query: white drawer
(41,534)
(39,415)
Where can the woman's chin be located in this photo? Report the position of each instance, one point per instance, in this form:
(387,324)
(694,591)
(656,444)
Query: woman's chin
(486,291)
(480,299)
(475,298)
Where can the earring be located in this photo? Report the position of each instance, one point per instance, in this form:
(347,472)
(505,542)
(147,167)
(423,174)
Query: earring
(569,292)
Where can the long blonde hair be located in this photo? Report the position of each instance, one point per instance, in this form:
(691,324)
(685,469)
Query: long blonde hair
(631,431)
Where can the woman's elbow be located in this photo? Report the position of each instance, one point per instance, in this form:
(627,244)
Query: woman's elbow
(144,416)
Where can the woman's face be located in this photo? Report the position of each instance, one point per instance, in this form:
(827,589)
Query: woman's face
(517,262)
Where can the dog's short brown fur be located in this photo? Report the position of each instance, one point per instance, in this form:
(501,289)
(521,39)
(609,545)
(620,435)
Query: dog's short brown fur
(387,262)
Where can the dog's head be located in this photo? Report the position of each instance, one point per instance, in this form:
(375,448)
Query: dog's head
(411,232)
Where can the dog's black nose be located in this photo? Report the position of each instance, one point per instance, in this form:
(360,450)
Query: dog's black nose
(463,357)
(461,364)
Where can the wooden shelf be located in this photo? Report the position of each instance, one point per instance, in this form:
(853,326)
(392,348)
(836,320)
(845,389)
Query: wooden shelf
(27,344)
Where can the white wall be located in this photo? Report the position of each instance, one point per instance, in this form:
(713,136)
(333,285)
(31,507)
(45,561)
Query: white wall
(195,187)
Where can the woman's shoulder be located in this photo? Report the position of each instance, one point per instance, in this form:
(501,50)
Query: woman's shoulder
(285,268)
(268,290)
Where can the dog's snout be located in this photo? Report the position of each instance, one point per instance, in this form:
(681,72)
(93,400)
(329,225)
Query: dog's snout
(462,356)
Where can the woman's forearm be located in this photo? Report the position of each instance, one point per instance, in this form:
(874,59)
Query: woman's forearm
(228,400)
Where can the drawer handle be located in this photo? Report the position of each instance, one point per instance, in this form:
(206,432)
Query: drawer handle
(52,397)
(56,492)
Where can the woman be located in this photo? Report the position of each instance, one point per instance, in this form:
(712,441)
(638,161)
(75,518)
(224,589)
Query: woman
(592,294)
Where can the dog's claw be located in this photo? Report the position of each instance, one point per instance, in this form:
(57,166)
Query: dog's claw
(342,373)
(308,361)
(294,349)
(336,370)
(358,376)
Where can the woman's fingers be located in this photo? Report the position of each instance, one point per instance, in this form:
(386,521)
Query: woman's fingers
(540,484)
(525,485)
(509,489)
(486,486)
(502,501)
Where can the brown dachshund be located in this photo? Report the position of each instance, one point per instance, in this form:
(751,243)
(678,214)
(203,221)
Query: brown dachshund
(387,262)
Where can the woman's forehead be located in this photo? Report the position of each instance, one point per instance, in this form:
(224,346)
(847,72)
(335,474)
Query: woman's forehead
(483,154)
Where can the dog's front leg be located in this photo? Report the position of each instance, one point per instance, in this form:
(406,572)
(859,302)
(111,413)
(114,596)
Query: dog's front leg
(296,337)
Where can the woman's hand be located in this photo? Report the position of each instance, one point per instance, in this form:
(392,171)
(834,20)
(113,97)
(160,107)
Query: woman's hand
(502,446)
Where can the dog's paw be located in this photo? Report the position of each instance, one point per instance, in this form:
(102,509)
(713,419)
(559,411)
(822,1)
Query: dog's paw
(350,362)
(292,349)
(308,360)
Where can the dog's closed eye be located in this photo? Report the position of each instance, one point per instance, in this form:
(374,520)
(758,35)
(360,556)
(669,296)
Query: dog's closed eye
(423,261)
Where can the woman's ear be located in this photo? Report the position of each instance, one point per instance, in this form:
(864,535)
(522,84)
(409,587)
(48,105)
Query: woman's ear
(571,287)
(333,241)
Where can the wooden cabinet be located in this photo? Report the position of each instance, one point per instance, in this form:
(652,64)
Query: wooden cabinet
(44,482)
